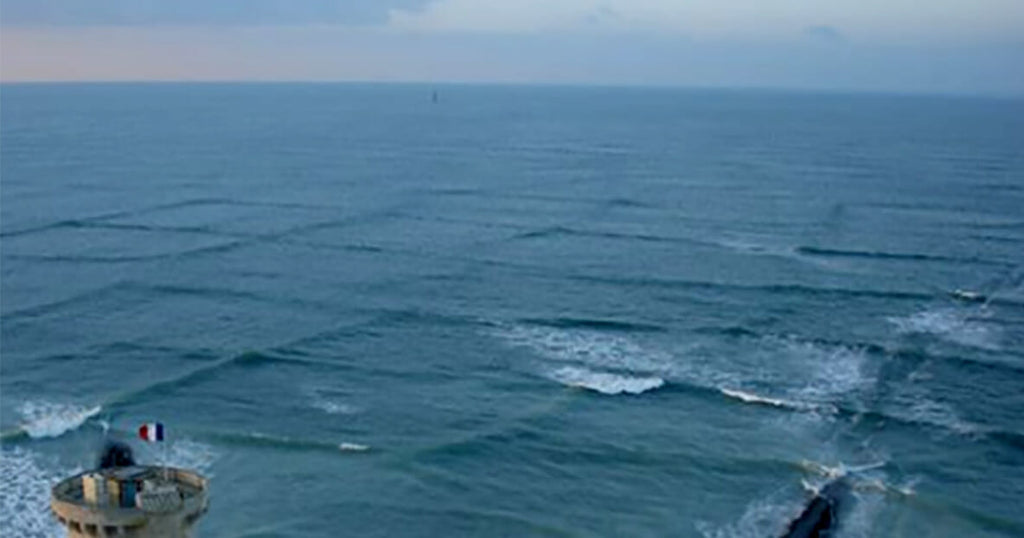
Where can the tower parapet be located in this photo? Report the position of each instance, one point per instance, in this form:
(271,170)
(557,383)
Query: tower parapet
(134,501)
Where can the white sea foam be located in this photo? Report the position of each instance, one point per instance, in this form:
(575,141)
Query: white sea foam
(25,484)
(927,411)
(825,372)
(859,522)
(48,419)
(586,347)
(353,447)
(809,376)
(605,382)
(956,325)
(587,356)
(877,485)
(332,407)
(770,516)
(748,246)
(867,481)
(187,454)
(798,374)
(329,401)
(841,469)
(749,397)
(911,401)
(762,517)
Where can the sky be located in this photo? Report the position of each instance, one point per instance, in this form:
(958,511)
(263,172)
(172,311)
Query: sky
(932,46)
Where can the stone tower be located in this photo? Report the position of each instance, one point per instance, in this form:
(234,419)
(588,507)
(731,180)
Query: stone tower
(131,501)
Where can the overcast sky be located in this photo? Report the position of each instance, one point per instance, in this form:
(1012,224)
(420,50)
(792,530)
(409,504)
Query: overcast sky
(962,46)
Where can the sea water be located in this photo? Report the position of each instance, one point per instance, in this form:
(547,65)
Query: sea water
(517,311)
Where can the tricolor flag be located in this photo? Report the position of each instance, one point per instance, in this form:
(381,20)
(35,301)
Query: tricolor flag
(153,431)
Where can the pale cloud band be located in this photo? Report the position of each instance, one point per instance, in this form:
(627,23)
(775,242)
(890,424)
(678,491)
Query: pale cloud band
(950,46)
(717,19)
(199,12)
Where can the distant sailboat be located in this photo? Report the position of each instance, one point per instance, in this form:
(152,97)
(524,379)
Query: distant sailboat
(434,99)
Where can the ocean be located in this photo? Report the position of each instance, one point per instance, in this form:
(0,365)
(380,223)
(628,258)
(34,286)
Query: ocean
(517,311)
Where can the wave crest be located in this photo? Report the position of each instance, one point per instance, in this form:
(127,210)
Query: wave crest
(605,382)
(42,420)
(751,398)
(586,346)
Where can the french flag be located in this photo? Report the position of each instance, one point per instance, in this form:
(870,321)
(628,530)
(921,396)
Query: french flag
(151,432)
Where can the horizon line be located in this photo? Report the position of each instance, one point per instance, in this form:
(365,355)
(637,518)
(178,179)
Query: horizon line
(1013,95)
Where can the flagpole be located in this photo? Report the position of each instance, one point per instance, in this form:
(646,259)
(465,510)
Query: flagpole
(154,433)
(166,470)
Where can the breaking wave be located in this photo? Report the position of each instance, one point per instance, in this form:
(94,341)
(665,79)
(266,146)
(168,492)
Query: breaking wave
(822,378)
(799,375)
(586,347)
(751,398)
(47,419)
(590,359)
(605,382)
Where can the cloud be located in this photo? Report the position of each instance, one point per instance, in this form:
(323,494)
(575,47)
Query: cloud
(199,12)
(603,15)
(894,21)
(333,53)
(824,33)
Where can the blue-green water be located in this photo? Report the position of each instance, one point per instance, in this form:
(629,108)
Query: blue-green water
(518,311)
